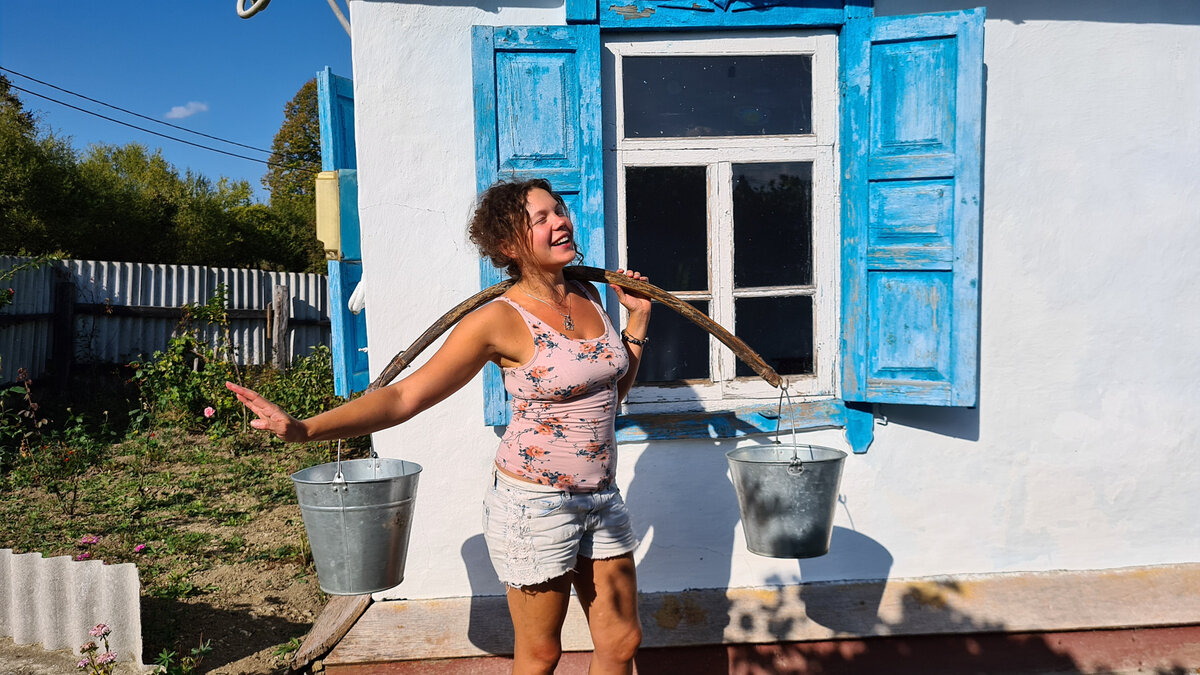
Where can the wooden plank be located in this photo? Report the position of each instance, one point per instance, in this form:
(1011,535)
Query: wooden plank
(655,14)
(281,312)
(17,319)
(1173,649)
(335,620)
(995,603)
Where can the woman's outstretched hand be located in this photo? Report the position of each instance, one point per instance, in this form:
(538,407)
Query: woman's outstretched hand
(631,300)
(270,416)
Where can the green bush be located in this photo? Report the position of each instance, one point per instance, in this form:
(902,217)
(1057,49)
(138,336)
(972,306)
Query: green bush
(306,389)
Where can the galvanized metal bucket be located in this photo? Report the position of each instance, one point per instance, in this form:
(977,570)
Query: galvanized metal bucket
(787,495)
(358,514)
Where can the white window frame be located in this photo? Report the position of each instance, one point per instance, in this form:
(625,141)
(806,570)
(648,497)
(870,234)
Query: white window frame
(718,154)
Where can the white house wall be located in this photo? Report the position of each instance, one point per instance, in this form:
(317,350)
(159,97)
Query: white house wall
(1081,454)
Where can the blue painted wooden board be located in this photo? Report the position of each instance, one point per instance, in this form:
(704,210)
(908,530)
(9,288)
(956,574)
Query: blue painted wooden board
(537,115)
(335,99)
(684,14)
(752,420)
(912,157)
(335,104)
(348,212)
(348,331)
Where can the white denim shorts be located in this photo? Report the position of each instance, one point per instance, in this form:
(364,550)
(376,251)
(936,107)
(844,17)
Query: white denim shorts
(534,533)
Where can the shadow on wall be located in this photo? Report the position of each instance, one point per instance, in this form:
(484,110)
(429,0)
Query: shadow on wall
(1019,11)
(927,632)
(954,422)
(489,627)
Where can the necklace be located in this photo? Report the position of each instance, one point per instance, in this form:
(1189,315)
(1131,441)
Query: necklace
(568,323)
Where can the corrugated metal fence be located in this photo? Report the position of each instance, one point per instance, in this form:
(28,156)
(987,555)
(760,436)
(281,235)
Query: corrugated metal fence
(115,320)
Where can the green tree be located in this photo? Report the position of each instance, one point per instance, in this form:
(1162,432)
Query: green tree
(38,192)
(128,203)
(291,179)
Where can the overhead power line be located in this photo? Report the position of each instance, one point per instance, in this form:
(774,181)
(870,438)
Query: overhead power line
(178,140)
(130,112)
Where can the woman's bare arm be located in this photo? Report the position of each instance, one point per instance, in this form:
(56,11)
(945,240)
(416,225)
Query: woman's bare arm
(467,349)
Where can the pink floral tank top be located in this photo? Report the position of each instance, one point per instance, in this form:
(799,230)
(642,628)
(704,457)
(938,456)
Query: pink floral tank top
(564,405)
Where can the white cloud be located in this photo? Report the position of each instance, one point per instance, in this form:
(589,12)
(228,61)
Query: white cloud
(181,111)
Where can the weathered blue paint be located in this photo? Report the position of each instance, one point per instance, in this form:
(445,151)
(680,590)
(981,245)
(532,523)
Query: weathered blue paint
(687,14)
(348,331)
(912,155)
(581,11)
(335,106)
(859,9)
(537,114)
(860,426)
(335,100)
(750,420)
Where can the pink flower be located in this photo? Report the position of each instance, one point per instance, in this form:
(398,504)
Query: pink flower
(83,556)
(83,664)
(88,646)
(139,548)
(89,539)
(107,657)
(101,630)
(209,411)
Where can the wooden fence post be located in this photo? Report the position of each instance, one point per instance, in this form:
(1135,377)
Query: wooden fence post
(281,306)
(63,331)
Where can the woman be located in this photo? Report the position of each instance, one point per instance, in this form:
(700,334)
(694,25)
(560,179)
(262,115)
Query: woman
(553,516)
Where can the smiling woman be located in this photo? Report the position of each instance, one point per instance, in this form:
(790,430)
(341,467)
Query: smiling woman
(554,518)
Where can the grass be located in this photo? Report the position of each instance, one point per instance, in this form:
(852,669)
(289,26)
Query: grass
(184,508)
(154,464)
(179,495)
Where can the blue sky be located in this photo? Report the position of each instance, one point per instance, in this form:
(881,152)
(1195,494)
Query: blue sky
(193,63)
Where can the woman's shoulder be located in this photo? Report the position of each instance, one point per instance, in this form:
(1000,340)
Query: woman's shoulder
(500,325)
(496,310)
(497,315)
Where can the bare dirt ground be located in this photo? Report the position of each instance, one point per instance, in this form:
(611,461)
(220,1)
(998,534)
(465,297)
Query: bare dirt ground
(256,607)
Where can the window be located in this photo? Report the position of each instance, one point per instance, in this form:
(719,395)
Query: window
(720,175)
(865,180)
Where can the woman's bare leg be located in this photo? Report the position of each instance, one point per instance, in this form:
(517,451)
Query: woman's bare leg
(537,614)
(607,590)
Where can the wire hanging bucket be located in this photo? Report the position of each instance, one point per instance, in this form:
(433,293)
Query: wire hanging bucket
(787,495)
(358,514)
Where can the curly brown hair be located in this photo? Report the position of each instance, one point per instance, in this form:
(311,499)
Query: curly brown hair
(500,221)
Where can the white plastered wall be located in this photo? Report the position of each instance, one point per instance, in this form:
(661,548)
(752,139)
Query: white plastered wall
(1081,454)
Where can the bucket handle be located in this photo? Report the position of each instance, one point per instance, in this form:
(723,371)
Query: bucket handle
(339,480)
(796,467)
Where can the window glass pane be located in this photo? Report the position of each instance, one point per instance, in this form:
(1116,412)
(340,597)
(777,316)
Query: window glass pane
(780,330)
(678,349)
(678,96)
(666,225)
(772,224)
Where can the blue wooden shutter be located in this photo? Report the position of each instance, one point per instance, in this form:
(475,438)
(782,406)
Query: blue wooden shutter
(537,115)
(335,96)
(912,159)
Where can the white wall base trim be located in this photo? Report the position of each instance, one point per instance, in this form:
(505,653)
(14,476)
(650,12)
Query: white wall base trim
(1042,601)
(56,601)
